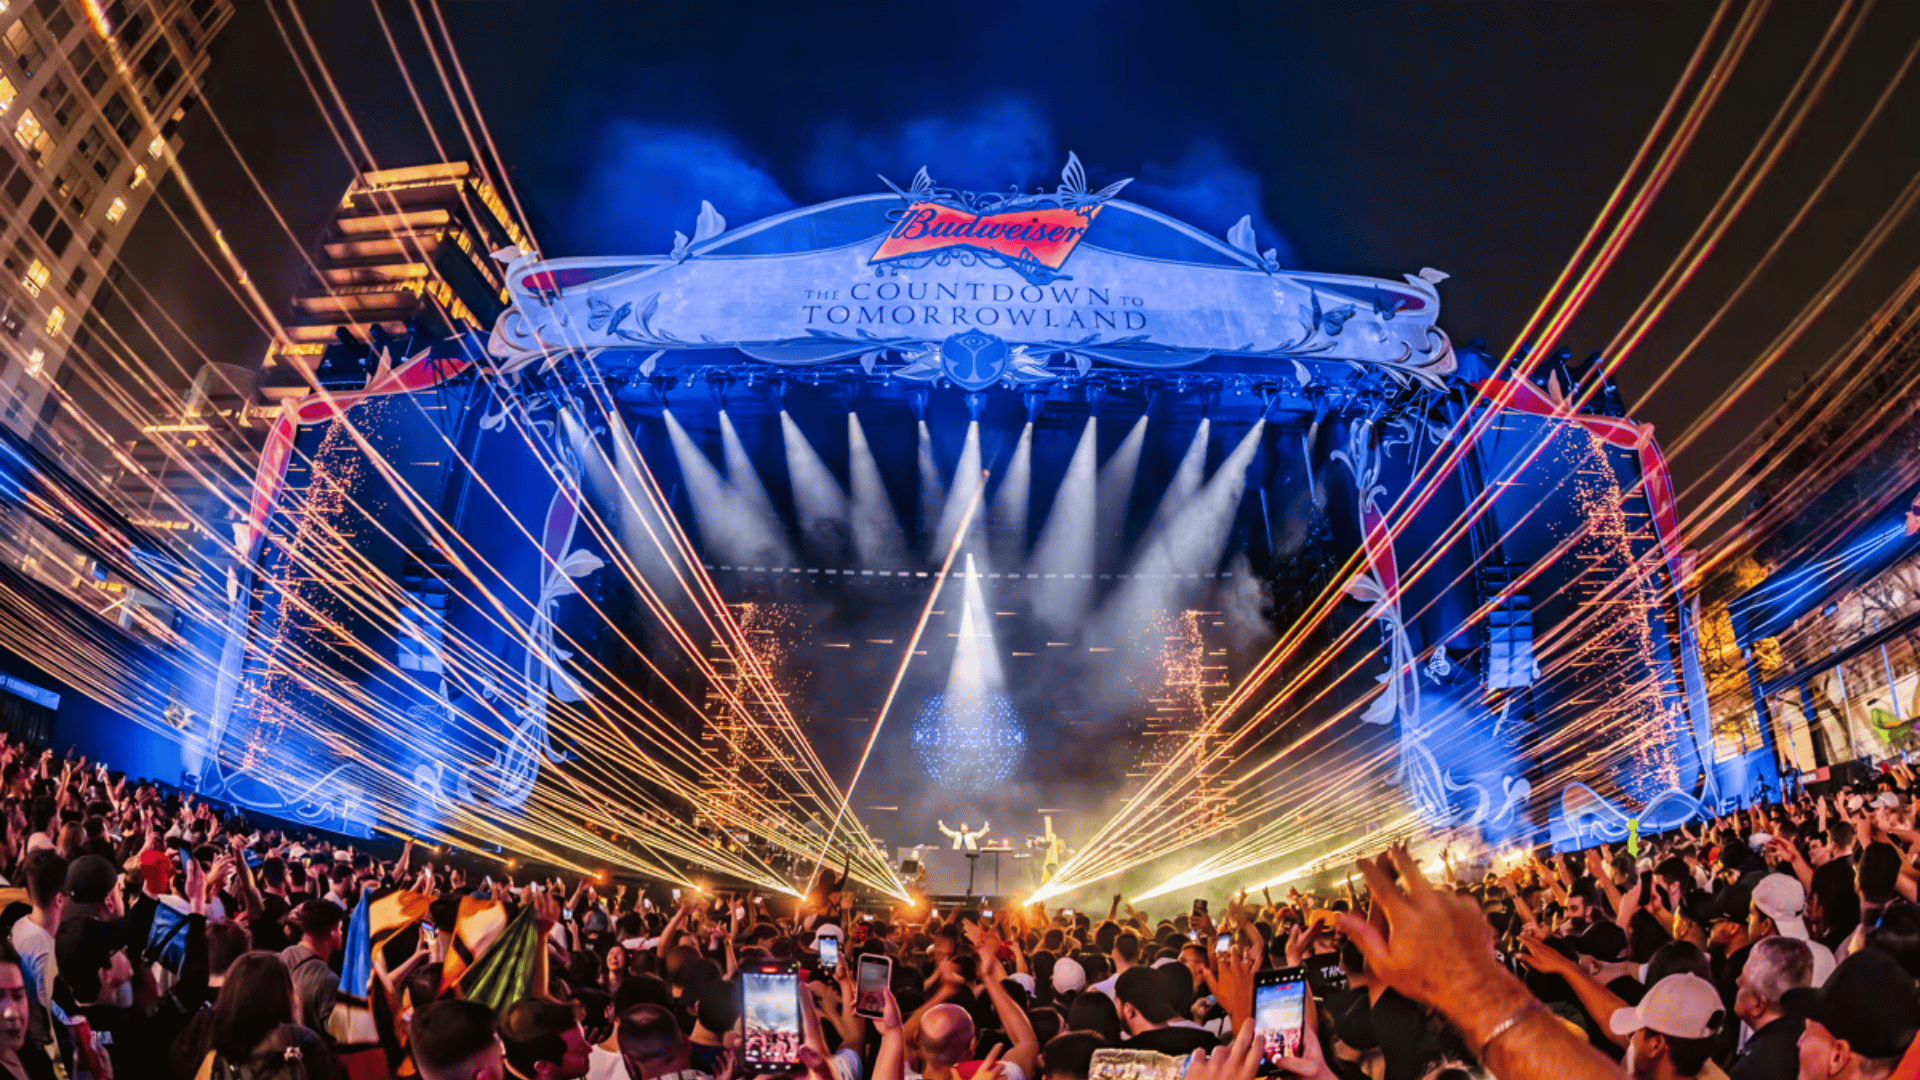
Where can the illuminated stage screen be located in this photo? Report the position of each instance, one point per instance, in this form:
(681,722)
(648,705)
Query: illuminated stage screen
(1111,585)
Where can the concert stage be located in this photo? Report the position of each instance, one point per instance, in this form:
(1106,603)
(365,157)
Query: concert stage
(984,506)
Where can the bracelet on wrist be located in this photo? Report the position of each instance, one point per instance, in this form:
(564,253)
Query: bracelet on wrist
(1507,1025)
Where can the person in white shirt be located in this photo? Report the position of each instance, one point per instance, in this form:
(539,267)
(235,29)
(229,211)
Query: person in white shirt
(45,874)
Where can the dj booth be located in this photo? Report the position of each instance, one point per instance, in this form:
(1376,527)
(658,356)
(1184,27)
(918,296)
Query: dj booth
(991,871)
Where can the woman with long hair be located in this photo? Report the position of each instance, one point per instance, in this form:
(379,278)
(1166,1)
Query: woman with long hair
(256,999)
(18,1061)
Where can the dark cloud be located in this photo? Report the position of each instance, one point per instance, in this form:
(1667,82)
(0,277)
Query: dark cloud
(1210,187)
(1001,143)
(648,180)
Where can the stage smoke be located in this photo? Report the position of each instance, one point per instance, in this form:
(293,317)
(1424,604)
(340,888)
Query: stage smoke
(818,501)
(877,537)
(1010,502)
(1188,538)
(966,480)
(734,531)
(1066,544)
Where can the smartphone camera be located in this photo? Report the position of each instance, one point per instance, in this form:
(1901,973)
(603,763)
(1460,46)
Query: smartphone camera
(875,979)
(770,1014)
(1279,1016)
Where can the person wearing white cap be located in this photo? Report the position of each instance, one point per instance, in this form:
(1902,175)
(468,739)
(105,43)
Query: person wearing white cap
(1068,976)
(1670,1033)
(1780,907)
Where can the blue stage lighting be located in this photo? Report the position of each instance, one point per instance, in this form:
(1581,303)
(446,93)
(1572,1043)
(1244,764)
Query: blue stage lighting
(969,741)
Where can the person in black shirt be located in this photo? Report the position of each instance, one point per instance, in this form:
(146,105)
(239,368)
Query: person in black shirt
(1146,1012)
(269,928)
(98,972)
(1775,966)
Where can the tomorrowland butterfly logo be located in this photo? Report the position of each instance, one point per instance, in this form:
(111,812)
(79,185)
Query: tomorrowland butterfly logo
(974,360)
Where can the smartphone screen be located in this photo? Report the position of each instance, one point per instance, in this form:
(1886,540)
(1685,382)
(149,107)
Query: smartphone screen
(829,953)
(1279,1016)
(876,976)
(1223,943)
(770,1014)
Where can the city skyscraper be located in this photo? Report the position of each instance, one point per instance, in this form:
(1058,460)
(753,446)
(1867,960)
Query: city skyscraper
(91,96)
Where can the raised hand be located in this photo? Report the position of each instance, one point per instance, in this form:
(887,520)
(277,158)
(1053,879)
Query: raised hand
(1233,988)
(546,912)
(1439,947)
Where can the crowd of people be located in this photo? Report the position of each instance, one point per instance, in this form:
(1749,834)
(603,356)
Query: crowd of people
(150,934)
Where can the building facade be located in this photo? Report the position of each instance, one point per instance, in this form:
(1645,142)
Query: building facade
(409,250)
(90,98)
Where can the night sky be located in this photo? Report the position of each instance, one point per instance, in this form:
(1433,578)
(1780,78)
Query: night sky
(1479,139)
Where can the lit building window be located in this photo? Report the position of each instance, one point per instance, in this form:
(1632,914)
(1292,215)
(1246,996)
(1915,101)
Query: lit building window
(139,173)
(56,321)
(7,93)
(36,362)
(157,147)
(36,277)
(32,135)
(117,210)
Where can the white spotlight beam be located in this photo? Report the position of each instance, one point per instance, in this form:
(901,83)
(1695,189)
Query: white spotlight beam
(1192,537)
(968,479)
(933,490)
(734,530)
(746,479)
(1116,491)
(877,537)
(818,500)
(1068,538)
(1010,502)
(1187,478)
(976,665)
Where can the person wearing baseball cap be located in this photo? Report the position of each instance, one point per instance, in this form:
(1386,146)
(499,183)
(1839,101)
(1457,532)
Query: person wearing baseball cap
(1068,976)
(1671,1032)
(1860,1022)
(1780,907)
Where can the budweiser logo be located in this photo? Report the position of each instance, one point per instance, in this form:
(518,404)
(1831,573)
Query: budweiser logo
(1034,241)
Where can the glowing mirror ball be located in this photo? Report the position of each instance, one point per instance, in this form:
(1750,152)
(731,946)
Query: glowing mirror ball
(969,741)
